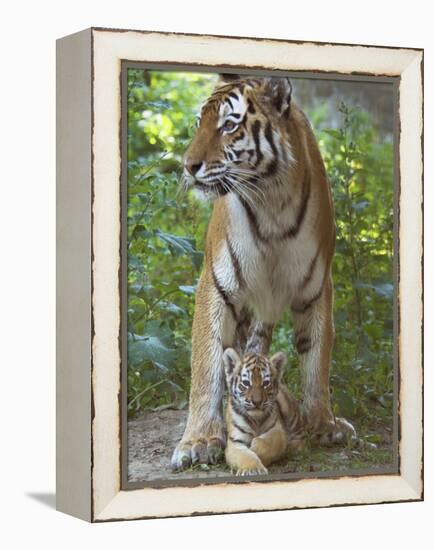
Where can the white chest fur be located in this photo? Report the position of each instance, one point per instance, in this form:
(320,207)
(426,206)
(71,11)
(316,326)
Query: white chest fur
(272,273)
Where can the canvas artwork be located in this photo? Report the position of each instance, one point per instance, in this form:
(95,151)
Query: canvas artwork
(260,312)
(239,274)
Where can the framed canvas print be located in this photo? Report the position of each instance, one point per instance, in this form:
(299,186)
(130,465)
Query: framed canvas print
(239,274)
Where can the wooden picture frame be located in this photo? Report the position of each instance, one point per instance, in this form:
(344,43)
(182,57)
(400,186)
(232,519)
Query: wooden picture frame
(90,482)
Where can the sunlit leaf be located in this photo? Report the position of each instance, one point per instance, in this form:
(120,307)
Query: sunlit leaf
(187,289)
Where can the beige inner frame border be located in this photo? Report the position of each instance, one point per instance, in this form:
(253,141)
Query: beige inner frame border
(109,49)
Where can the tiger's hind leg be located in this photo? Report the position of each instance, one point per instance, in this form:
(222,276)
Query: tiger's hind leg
(313,335)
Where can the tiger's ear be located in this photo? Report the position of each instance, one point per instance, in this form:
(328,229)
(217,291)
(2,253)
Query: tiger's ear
(278,360)
(279,90)
(226,78)
(231,360)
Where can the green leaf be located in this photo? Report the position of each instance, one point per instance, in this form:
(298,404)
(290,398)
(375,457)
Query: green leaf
(149,348)
(182,245)
(384,290)
(358,206)
(187,289)
(172,308)
(337,134)
(158,104)
(160,330)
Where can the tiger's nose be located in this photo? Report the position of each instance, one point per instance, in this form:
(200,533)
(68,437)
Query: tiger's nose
(257,399)
(193,166)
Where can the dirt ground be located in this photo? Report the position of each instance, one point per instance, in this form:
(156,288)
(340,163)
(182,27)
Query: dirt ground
(152,436)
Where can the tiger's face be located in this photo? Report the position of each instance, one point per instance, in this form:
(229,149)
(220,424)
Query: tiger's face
(240,139)
(253,381)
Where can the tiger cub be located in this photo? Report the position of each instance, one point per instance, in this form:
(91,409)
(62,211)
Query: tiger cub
(263,419)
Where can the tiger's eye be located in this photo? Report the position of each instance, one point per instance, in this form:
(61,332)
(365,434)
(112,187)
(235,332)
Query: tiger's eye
(229,125)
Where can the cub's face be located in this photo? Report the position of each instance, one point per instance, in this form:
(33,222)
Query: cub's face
(239,139)
(253,381)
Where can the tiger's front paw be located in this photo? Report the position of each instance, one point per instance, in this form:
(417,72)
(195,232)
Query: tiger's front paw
(198,450)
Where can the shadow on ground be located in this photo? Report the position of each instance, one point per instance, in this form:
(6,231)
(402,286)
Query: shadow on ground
(47,499)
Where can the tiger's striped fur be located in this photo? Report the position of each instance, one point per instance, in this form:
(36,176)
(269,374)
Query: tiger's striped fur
(263,419)
(269,247)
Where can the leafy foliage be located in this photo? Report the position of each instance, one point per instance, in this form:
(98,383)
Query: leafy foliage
(166,231)
(165,236)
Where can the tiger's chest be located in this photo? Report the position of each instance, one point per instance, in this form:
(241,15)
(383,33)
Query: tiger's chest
(266,274)
(271,282)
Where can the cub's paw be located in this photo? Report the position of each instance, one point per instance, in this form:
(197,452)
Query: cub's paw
(259,471)
(258,446)
(199,450)
(251,465)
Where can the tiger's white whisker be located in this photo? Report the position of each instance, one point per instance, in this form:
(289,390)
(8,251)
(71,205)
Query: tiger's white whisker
(242,192)
(249,187)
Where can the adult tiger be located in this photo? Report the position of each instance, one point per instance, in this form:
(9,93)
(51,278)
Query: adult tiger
(269,246)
